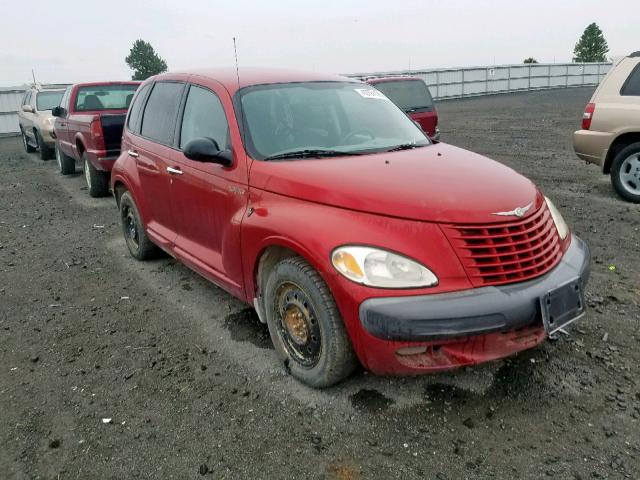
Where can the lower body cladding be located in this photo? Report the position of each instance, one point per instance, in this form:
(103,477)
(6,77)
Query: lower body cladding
(430,333)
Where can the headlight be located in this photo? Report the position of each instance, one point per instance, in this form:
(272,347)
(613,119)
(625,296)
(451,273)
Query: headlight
(561,225)
(380,268)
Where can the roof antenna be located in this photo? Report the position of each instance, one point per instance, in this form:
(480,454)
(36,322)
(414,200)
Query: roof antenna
(235,51)
(34,77)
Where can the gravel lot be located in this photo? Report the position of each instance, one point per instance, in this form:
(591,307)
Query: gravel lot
(189,379)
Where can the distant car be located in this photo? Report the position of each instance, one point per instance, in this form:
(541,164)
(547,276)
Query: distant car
(88,130)
(412,95)
(318,201)
(610,134)
(36,121)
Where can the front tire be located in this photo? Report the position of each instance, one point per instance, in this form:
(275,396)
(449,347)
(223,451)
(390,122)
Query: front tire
(46,151)
(25,142)
(305,325)
(66,164)
(138,243)
(97,181)
(625,173)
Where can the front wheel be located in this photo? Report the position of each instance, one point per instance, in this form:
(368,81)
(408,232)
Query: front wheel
(625,173)
(45,150)
(66,164)
(25,143)
(305,325)
(97,181)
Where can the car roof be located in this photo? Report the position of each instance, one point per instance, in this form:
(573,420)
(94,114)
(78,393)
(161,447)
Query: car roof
(104,84)
(249,76)
(392,79)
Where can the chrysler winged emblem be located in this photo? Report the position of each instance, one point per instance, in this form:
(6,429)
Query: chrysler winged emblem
(518,212)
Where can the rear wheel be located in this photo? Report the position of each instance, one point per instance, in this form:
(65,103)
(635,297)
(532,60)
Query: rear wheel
(27,146)
(46,152)
(66,164)
(305,325)
(138,243)
(97,181)
(625,173)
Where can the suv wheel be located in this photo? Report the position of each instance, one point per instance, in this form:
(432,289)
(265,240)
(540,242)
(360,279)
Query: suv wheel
(97,181)
(66,164)
(305,325)
(25,141)
(625,173)
(138,243)
(45,150)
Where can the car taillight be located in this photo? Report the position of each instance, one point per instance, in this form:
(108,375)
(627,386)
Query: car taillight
(587,116)
(96,133)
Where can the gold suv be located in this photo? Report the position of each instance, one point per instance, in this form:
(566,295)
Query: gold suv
(610,134)
(36,121)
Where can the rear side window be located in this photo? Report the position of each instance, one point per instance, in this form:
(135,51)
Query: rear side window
(159,118)
(204,117)
(135,112)
(632,84)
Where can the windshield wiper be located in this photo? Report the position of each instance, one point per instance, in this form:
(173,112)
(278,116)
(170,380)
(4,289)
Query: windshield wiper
(310,153)
(405,146)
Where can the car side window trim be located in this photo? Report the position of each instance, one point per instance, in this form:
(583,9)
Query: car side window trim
(146,102)
(634,76)
(178,131)
(144,96)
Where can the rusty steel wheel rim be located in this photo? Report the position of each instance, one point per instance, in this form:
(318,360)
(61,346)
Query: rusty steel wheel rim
(297,325)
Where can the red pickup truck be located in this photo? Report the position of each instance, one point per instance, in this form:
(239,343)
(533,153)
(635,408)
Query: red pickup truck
(88,130)
(355,237)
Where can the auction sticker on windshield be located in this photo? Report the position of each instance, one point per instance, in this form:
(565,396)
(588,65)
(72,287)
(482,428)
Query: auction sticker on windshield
(371,93)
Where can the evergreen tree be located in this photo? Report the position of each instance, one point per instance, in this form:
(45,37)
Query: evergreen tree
(592,47)
(144,61)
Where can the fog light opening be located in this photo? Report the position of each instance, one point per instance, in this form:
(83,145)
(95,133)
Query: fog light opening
(407,351)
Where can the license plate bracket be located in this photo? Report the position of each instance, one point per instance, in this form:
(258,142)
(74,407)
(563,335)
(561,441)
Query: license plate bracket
(562,306)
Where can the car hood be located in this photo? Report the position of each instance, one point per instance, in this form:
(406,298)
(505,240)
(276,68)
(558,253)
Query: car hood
(439,183)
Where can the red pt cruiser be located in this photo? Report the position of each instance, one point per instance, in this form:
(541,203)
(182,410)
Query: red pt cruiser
(315,199)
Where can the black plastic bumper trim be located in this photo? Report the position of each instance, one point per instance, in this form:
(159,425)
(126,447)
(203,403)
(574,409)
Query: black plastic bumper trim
(472,312)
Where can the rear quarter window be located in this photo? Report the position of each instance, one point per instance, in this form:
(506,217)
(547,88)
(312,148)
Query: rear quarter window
(631,86)
(159,118)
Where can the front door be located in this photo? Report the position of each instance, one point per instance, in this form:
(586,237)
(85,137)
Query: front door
(210,199)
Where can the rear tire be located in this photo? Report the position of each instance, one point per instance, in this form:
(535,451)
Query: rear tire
(46,152)
(97,181)
(625,173)
(25,142)
(66,164)
(305,325)
(138,243)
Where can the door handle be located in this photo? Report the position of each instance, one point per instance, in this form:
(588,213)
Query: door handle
(133,153)
(174,171)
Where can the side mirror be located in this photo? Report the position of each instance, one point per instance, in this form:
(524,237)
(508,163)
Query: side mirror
(27,108)
(206,149)
(57,111)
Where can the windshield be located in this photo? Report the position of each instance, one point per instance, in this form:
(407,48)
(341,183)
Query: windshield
(105,97)
(330,117)
(407,94)
(47,100)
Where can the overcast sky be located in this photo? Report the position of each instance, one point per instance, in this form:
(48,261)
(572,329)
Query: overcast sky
(72,41)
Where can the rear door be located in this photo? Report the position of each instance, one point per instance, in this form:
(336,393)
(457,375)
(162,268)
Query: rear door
(212,198)
(151,146)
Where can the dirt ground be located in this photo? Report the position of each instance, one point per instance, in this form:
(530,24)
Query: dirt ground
(188,378)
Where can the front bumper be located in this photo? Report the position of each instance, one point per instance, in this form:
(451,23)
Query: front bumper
(481,311)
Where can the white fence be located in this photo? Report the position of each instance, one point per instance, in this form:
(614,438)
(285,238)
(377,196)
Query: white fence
(448,83)
(10,100)
(444,83)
